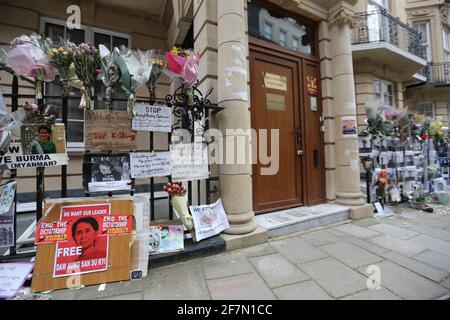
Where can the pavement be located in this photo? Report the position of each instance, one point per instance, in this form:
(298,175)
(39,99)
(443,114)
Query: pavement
(406,256)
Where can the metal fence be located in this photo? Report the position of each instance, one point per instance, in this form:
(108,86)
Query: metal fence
(191,111)
(437,73)
(379,26)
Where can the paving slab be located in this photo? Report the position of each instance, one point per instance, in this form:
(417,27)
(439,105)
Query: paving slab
(376,294)
(430,222)
(131,296)
(446,283)
(366,245)
(226,265)
(111,289)
(241,287)
(258,251)
(357,231)
(67,294)
(434,232)
(334,276)
(419,267)
(350,254)
(308,290)
(182,281)
(407,284)
(336,232)
(367,222)
(298,251)
(431,243)
(319,238)
(435,259)
(405,247)
(393,231)
(277,271)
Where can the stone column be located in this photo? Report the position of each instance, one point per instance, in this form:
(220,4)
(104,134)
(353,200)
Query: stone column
(235,179)
(348,190)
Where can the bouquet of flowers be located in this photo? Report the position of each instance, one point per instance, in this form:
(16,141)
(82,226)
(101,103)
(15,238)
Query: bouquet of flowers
(40,114)
(28,59)
(133,75)
(184,65)
(61,58)
(110,73)
(85,60)
(178,200)
(157,65)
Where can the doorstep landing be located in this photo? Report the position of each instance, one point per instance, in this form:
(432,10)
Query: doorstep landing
(285,222)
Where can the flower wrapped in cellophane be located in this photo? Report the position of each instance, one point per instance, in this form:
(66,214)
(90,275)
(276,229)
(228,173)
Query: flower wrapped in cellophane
(86,63)
(157,64)
(61,58)
(183,64)
(28,58)
(132,75)
(110,73)
(178,200)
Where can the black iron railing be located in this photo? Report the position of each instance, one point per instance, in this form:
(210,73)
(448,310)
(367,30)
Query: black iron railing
(379,26)
(437,73)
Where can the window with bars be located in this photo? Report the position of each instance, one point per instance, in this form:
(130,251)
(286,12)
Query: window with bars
(56,30)
(384,92)
(447,44)
(424,28)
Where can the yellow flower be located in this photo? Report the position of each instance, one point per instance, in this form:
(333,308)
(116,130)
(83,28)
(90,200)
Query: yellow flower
(175,50)
(61,49)
(440,133)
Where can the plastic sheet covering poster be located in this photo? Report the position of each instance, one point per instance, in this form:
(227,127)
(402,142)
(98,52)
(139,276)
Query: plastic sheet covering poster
(166,236)
(12,278)
(7,212)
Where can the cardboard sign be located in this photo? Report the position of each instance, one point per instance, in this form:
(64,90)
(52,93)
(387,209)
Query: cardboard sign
(35,147)
(209,220)
(152,118)
(106,130)
(7,212)
(12,278)
(153,164)
(189,161)
(88,257)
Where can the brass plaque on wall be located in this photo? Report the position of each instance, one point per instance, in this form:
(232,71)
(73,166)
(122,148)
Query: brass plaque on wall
(275,102)
(275,81)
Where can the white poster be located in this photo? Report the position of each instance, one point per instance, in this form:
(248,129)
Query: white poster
(209,220)
(15,159)
(12,277)
(152,118)
(189,161)
(151,164)
(7,212)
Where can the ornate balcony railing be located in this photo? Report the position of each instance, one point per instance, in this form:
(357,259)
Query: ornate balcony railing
(379,26)
(437,73)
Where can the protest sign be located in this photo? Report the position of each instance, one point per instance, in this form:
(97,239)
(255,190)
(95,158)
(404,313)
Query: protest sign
(152,118)
(91,252)
(209,220)
(166,236)
(189,161)
(153,164)
(37,145)
(106,172)
(12,278)
(109,130)
(7,212)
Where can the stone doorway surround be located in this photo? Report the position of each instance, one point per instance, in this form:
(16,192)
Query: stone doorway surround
(220,35)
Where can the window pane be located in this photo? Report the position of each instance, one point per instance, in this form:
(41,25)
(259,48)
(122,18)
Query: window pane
(118,42)
(295,44)
(54,31)
(76,132)
(104,39)
(75,35)
(262,21)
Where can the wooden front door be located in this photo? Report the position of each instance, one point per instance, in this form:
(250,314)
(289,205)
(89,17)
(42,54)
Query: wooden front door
(279,102)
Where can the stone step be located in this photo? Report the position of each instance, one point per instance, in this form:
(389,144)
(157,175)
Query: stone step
(285,222)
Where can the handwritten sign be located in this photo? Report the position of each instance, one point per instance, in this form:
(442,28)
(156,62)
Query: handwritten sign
(12,277)
(152,118)
(209,220)
(7,212)
(109,130)
(152,164)
(189,161)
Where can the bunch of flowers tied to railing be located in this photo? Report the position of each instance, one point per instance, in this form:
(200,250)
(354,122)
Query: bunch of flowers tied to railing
(37,58)
(178,200)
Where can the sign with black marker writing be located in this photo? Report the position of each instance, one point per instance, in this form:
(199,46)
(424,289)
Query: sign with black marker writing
(151,164)
(156,118)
